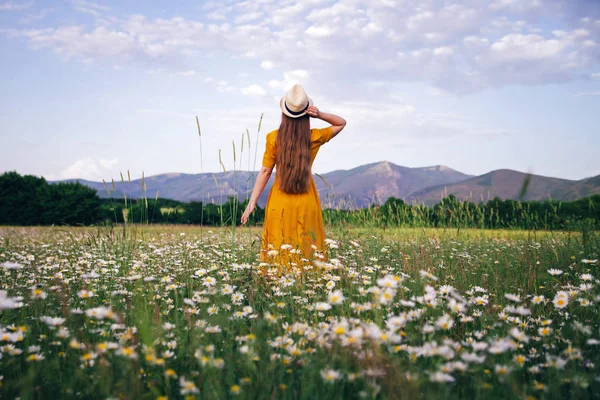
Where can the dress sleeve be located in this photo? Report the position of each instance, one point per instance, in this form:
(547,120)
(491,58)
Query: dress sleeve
(270,152)
(323,135)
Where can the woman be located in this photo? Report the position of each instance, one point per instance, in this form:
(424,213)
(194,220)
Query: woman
(293,227)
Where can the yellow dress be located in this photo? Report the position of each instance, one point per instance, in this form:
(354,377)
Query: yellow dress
(293,222)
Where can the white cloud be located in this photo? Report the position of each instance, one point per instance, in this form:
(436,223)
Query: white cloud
(516,5)
(89,169)
(519,47)
(300,75)
(220,85)
(587,94)
(89,7)
(535,59)
(249,17)
(443,51)
(38,16)
(457,47)
(73,42)
(290,78)
(433,36)
(337,10)
(224,86)
(287,15)
(319,31)
(267,65)
(187,74)
(371,29)
(109,163)
(216,16)
(12,6)
(475,41)
(253,90)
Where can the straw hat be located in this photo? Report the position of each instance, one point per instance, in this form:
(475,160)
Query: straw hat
(295,102)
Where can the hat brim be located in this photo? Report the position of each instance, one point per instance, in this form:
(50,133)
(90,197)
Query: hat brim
(286,112)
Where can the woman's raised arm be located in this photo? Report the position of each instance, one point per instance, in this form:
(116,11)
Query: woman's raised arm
(337,123)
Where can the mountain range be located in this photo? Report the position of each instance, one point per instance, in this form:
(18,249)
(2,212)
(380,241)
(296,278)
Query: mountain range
(360,186)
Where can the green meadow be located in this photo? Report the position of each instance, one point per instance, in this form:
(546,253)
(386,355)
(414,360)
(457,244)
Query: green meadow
(155,312)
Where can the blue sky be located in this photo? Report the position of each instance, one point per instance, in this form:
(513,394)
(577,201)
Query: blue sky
(93,88)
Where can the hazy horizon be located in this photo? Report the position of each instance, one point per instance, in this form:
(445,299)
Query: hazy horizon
(137,177)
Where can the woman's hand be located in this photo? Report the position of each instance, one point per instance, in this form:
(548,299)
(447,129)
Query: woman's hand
(313,111)
(249,209)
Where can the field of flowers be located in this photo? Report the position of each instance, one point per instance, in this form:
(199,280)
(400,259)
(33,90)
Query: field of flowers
(180,312)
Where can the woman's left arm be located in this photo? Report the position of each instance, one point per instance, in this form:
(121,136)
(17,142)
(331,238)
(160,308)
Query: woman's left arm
(261,181)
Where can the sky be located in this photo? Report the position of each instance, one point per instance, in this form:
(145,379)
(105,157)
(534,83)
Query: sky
(91,89)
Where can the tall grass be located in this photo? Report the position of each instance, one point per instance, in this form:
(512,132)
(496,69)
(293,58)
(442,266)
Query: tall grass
(451,213)
(201,179)
(234,204)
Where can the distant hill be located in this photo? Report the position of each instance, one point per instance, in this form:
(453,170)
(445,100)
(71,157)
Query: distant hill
(507,184)
(360,186)
(375,183)
(210,187)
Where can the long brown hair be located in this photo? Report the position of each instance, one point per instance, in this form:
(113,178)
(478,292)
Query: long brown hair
(293,154)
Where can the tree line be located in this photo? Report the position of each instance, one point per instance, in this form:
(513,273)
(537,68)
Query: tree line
(167,211)
(29,200)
